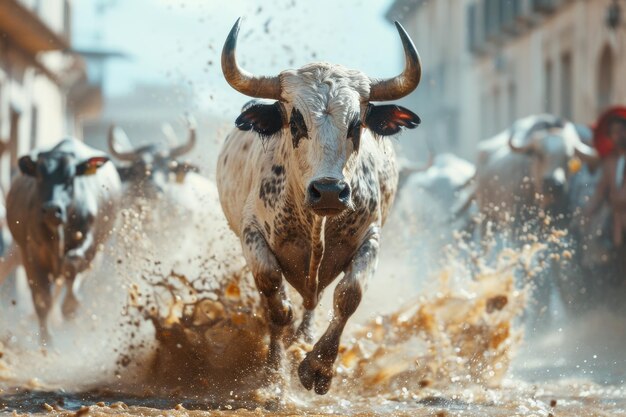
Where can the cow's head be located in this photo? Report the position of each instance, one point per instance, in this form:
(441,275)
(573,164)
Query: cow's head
(552,144)
(150,167)
(55,173)
(319,113)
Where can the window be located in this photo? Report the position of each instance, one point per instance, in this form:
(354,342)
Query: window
(34,122)
(472,33)
(67,23)
(567,86)
(492,15)
(484,112)
(14,139)
(497,111)
(548,87)
(512,103)
(605,79)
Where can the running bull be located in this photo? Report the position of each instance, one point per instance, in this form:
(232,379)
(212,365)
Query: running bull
(306,181)
(147,169)
(59,211)
(526,169)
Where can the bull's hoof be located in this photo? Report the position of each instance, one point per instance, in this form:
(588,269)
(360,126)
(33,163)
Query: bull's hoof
(45,339)
(315,372)
(69,307)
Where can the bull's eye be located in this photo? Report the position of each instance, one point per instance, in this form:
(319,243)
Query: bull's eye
(354,133)
(298,127)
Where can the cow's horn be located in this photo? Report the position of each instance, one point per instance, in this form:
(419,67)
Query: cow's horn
(403,84)
(240,79)
(518,148)
(114,133)
(586,153)
(191,142)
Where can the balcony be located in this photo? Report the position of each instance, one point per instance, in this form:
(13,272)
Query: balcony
(492,23)
(545,6)
(24,28)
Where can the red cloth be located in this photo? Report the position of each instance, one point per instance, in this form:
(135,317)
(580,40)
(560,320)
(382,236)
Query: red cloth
(601,140)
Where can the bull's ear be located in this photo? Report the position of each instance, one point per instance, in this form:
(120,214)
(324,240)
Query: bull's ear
(265,119)
(90,166)
(388,119)
(28,166)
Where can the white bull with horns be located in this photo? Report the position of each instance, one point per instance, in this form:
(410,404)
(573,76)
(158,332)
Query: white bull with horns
(306,181)
(525,169)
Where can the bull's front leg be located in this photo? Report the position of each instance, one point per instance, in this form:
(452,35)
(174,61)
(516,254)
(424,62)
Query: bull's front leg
(76,260)
(41,293)
(316,370)
(269,281)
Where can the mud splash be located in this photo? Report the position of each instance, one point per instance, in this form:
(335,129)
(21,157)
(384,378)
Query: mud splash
(214,339)
(184,324)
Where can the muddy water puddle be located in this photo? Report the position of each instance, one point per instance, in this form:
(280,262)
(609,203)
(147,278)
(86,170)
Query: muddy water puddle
(557,399)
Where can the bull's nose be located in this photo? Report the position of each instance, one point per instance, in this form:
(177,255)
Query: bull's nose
(328,196)
(552,186)
(53,213)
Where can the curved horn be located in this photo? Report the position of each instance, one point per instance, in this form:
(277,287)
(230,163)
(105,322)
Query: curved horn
(191,142)
(403,84)
(518,148)
(115,132)
(240,79)
(586,153)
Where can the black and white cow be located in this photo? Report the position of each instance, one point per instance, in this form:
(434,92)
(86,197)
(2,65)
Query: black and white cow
(306,181)
(59,211)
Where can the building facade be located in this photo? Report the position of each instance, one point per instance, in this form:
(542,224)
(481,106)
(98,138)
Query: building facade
(44,92)
(490,62)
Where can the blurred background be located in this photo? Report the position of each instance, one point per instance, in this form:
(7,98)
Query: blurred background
(76,66)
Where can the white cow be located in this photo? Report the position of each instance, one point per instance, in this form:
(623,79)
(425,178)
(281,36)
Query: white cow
(525,169)
(306,181)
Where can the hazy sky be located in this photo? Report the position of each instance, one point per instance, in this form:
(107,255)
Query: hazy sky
(179,41)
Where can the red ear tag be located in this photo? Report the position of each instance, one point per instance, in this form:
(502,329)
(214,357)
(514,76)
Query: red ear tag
(94,163)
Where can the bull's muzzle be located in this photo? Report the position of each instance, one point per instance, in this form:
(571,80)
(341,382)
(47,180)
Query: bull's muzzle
(53,214)
(328,196)
(553,187)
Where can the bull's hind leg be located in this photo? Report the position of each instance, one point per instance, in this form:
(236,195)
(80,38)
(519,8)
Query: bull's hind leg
(316,370)
(269,281)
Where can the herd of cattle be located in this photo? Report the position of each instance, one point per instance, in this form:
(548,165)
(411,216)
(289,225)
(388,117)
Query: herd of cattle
(531,183)
(306,180)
